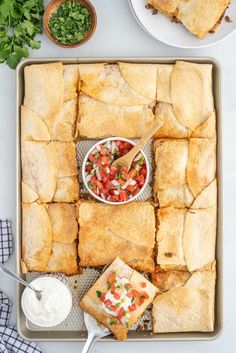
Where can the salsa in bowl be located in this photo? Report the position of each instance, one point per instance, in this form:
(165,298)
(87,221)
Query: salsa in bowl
(114,184)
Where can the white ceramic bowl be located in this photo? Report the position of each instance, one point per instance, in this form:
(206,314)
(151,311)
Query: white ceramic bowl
(65,301)
(84,165)
(175,34)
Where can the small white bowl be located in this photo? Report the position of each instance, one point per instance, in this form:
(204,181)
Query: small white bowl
(86,159)
(29,302)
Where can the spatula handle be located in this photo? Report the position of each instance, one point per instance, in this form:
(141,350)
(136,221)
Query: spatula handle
(89,342)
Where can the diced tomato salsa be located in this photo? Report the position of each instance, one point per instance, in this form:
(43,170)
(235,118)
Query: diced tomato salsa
(114,183)
(120,299)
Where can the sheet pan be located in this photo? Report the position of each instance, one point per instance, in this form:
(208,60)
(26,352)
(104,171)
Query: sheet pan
(69,335)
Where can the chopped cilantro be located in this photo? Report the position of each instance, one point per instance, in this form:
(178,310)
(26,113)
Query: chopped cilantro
(96,155)
(140,161)
(113,321)
(118,304)
(120,165)
(122,301)
(142,296)
(127,288)
(120,175)
(126,324)
(108,286)
(98,293)
(90,186)
(70,23)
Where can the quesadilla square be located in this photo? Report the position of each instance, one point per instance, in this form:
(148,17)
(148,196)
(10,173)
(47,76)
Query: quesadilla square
(67,188)
(63,258)
(39,170)
(119,298)
(99,120)
(108,231)
(120,84)
(184,168)
(171,127)
(44,90)
(49,172)
(171,159)
(198,16)
(63,127)
(170,238)
(63,221)
(186,237)
(187,308)
(49,238)
(201,16)
(192,103)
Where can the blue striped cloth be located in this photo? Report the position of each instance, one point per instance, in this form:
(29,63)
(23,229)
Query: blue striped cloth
(10,341)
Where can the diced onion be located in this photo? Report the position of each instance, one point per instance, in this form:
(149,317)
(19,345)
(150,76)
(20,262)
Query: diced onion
(88,177)
(137,167)
(113,147)
(116,192)
(133,182)
(108,145)
(107,170)
(103,196)
(115,182)
(128,182)
(98,148)
(140,155)
(98,175)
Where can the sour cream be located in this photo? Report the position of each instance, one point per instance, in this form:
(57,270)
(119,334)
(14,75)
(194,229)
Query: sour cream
(54,306)
(124,301)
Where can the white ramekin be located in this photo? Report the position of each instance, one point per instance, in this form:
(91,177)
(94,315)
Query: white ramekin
(84,165)
(66,292)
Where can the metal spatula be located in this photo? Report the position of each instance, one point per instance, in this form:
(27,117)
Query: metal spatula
(95,331)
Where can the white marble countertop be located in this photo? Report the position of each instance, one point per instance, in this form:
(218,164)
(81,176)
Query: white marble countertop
(118,34)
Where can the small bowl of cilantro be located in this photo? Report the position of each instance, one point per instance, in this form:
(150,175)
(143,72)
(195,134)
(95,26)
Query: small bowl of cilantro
(69,23)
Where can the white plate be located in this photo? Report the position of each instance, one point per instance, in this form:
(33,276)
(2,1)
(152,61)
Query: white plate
(175,34)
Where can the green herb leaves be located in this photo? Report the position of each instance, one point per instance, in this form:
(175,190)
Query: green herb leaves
(70,23)
(20,22)
(98,293)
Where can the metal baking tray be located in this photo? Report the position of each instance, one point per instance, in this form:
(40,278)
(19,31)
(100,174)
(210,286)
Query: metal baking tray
(142,335)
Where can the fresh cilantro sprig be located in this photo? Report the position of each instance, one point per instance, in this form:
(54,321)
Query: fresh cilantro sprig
(20,22)
(70,23)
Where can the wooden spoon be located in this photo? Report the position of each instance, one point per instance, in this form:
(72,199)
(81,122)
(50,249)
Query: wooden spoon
(128,158)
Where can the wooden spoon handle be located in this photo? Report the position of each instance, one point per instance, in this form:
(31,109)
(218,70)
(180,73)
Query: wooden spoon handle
(142,142)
